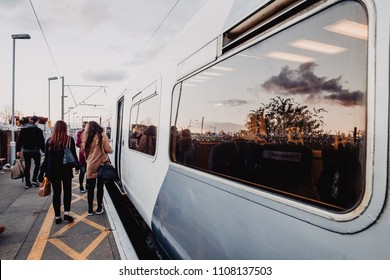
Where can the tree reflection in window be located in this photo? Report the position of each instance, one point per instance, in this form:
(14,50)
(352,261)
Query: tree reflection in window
(283,118)
(287,115)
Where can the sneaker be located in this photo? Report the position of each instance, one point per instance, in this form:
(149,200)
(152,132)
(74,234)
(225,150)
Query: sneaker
(68,218)
(82,190)
(27,186)
(100,212)
(90,213)
(35,183)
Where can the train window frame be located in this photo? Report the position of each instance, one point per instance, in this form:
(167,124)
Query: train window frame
(139,100)
(353,212)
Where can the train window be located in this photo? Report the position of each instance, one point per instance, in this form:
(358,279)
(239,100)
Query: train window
(287,114)
(143,121)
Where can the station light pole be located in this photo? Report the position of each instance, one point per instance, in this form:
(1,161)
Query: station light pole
(50,79)
(62,99)
(12,143)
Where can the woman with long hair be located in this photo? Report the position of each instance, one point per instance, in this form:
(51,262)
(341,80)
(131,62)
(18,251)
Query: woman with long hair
(95,145)
(59,174)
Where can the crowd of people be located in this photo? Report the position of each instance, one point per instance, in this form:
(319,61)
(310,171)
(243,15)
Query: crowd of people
(93,145)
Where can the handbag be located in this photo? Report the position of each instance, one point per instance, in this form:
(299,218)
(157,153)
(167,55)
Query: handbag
(107,173)
(45,188)
(17,170)
(69,159)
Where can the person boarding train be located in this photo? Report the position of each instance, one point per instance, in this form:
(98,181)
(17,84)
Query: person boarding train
(95,145)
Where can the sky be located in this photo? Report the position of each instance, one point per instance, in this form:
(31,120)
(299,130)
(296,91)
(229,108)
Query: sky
(94,44)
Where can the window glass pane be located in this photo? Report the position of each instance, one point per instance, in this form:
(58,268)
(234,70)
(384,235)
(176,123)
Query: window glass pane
(287,115)
(134,130)
(143,125)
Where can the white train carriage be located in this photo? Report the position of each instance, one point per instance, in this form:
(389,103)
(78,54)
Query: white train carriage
(261,132)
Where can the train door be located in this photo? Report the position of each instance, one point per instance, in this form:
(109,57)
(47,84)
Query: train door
(119,140)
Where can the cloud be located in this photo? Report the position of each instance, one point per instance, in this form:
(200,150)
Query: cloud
(230,102)
(94,13)
(105,75)
(304,81)
(11,3)
(348,98)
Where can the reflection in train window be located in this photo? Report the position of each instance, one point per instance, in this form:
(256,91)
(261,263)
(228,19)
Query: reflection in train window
(287,115)
(143,121)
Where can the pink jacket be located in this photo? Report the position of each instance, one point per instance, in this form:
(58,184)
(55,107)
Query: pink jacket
(96,155)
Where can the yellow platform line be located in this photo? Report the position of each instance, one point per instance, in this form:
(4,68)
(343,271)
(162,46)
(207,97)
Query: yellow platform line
(44,235)
(95,225)
(91,247)
(76,255)
(66,249)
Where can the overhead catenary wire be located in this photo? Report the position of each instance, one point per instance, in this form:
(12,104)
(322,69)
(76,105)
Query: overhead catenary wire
(150,38)
(44,37)
(126,71)
(135,58)
(56,67)
(83,101)
(71,93)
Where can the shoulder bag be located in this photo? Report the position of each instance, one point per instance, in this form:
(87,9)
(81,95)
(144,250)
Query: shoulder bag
(69,159)
(17,170)
(107,173)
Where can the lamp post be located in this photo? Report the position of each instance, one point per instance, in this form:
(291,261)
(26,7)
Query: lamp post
(12,143)
(50,79)
(62,99)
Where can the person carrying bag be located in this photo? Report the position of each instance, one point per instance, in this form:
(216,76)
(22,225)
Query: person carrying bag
(29,145)
(60,174)
(95,146)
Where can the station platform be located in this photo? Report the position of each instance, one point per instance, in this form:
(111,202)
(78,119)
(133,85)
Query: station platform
(31,233)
